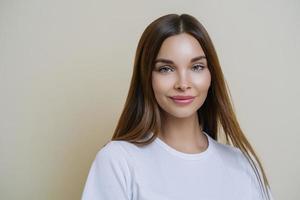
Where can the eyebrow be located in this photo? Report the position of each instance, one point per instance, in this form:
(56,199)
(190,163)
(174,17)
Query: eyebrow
(171,62)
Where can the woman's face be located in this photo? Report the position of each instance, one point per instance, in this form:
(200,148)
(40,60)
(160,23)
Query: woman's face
(180,69)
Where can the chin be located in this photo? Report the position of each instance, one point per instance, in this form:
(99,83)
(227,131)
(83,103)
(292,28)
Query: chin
(182,114)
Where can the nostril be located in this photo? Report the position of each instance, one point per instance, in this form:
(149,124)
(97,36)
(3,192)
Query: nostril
(182,87)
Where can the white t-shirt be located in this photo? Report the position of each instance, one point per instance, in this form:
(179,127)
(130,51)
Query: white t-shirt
(124,171)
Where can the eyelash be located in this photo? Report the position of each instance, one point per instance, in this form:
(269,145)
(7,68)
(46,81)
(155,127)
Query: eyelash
(164,67)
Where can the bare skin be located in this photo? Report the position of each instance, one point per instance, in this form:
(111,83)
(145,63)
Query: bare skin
(180,127)
(171,133)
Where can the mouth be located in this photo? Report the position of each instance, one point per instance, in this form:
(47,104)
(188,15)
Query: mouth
(182,100)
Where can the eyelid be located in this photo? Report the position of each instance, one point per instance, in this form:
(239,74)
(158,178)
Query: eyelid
(202,65)
(200,68)
(163,67)
(169,65)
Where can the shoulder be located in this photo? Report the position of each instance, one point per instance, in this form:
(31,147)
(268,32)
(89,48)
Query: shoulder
(115,152)
(112,160)
(228,151)
(110,175)
(111,150)
(237,160)
(231,156)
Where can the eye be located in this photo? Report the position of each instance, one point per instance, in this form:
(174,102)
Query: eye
(198,67)
(165,69)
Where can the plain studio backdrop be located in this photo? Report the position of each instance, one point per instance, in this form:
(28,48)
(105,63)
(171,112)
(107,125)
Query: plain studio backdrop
(65,69)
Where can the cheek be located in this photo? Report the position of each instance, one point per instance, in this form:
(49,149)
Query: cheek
(161,84)
(202,82)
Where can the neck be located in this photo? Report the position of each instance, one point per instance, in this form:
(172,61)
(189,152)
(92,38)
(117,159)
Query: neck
(183,133)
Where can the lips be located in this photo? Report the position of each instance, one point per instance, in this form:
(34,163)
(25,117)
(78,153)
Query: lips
(182,100)
(182,97)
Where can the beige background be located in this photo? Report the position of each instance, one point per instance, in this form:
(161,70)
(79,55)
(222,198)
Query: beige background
(65,68)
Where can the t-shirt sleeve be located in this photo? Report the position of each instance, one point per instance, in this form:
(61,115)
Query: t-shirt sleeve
(270,194)
(109,176)
(258,194)
(256,190)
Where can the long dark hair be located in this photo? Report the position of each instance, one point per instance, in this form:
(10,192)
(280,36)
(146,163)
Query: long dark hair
(141,113)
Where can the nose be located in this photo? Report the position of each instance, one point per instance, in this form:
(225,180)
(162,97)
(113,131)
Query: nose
(182,82)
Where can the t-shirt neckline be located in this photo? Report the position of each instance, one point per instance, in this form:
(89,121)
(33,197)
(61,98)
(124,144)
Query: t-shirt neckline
(187,156)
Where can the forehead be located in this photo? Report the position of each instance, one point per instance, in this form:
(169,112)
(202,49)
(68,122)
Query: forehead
(180,46)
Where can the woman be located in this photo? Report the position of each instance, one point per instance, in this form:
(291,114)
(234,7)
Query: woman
(165,145)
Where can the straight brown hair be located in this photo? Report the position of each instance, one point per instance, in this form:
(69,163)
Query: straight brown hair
(141,113)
